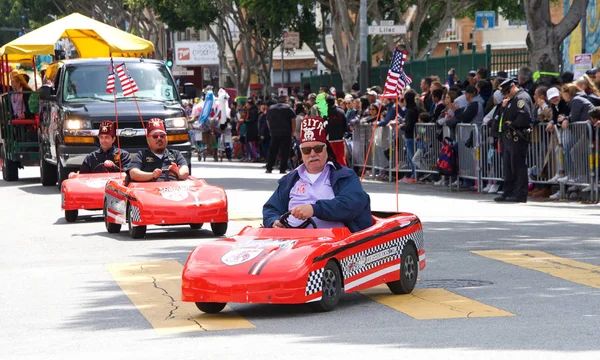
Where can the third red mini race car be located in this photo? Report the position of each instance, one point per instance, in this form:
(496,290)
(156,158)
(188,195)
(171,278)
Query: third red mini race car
(190,202)
(293,266)
(84,192)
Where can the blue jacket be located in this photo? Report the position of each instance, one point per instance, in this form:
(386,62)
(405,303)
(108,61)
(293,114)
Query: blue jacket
(351,205)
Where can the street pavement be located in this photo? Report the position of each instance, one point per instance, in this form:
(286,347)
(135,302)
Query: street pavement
(502,280)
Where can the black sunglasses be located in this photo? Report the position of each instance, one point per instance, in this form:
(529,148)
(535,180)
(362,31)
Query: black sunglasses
(317,148)
(162,136)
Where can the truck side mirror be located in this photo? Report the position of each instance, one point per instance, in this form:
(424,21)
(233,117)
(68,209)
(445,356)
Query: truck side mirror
(46,93)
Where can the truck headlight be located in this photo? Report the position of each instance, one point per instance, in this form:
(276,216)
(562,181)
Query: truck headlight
(73,124)
(178,122)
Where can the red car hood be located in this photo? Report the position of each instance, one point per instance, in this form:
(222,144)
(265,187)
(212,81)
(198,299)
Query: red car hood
(267,252)
(187,192)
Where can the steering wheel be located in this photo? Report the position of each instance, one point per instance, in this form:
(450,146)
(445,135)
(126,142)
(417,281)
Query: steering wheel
(104,167)
(284,221)
(170,172)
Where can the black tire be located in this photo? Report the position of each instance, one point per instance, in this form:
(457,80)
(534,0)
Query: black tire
(71,215)
(331,288)
(48,171)
(110,227)
(219,229)
(409,270)
(10,170)
(210,307)
(62,173)
(196,226)
(136,232)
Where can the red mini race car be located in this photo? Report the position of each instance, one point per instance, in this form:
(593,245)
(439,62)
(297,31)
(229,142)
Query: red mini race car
(84,192)
(189,202)
(315,266)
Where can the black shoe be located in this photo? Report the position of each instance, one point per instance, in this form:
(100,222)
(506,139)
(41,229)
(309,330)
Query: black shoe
(515,199)
(283,172)
(268,171)
(500,198)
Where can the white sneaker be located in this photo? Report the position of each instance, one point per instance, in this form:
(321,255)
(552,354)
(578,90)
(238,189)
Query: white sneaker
(455,184)
(555,196)
(563,179)
(555,178)
(587,189)
(494,189)
(440,183)
(487,188)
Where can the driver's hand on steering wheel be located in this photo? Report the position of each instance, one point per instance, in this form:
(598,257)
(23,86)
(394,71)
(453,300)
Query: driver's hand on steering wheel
(302,212)
(156,173)
(174,168)
(278,224)
(109,164)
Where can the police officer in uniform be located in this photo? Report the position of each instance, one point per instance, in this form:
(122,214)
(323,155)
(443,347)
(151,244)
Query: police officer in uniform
(108,158)
(514,129)
(148,165)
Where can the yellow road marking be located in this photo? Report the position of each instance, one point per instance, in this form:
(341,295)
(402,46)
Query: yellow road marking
(562,268)
(245,219)
(431,304)
(155,289)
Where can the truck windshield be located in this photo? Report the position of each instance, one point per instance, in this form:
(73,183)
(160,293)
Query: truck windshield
(88,81)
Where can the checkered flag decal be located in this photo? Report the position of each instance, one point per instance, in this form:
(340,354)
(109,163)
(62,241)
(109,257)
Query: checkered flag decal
(357,263)
(417,237)
(135,214)
(315,282)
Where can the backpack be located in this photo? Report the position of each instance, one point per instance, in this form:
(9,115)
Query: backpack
(447,162)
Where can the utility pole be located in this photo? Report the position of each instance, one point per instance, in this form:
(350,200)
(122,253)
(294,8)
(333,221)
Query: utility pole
(363,47)
(282,45)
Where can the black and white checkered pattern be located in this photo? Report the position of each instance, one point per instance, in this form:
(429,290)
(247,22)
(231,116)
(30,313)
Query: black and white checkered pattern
(357,263)
(417,237)
(315,282)
(135,214)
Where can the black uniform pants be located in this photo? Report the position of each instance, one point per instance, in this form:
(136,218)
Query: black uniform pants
(514,157)
(279,145)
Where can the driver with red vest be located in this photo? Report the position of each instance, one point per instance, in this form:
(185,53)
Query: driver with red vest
(108,157)
(148,165)
(320,188)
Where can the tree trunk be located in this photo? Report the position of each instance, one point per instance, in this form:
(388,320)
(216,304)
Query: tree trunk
(345,33)
(544,38)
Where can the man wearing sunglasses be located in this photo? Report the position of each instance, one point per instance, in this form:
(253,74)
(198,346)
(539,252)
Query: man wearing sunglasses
(320,188)
(148,165)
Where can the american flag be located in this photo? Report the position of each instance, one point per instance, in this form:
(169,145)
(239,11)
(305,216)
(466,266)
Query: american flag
(127,83)
(110,83)
(397,79)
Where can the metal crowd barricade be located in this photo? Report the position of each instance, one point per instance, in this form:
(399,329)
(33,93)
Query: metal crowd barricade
(595,165)
(468,156)
(577,141)
(382,150)
(491,156)
(545,157)
(361,137)
(427,148)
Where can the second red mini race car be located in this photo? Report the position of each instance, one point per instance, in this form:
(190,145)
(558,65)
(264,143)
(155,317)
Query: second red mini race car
(190,202)
(315,266)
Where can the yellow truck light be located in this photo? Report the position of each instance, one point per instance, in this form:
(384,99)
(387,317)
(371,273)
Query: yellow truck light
(79,139)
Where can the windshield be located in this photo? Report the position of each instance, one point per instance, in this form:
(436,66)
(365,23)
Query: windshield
(85,82)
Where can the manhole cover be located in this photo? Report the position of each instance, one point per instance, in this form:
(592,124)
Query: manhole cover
(452,283)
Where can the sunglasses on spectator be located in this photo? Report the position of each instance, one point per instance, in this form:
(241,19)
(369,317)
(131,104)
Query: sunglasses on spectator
(317,148)
(156,136)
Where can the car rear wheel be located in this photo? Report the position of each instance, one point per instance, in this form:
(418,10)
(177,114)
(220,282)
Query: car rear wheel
(62,173)
(196,226)
(110,227)
(210,307)
(136,232)
(409,269)
(10,169)
(331,288)
(71,215)
(219,229)
(47,171)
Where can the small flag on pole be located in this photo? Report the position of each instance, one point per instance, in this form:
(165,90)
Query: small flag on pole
(396,79)
(127,83)
(110,83)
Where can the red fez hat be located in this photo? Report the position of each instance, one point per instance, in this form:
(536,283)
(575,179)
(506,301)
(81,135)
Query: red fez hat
(107,127)
(156,125)
(313,129)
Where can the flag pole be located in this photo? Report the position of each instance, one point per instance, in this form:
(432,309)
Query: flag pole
(396,158)
(114,91)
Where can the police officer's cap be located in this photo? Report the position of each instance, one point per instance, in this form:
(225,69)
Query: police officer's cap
(506,85)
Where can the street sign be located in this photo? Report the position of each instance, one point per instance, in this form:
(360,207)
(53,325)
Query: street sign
(387,30)
(485,20)
(183,72)
(291,40)
(386,23)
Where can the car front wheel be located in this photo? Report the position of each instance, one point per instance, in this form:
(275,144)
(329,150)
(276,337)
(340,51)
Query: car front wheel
(210,307)
(409,269)
(331,288)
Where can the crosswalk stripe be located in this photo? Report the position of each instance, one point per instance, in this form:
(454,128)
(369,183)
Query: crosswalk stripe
(431,304)
(155,289)
(562,268)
